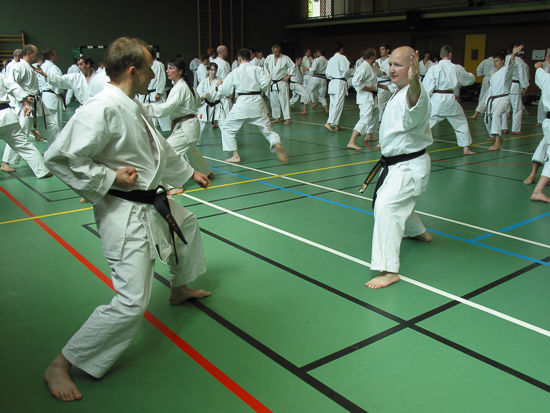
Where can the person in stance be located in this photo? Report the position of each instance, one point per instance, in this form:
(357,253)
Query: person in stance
(404,135)
(111,154)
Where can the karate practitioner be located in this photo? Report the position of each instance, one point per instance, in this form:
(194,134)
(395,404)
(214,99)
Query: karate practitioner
(404,135)
(440,83)
(279,68)
(52,96)
(70,93)
(542,80)
(317,86)
(486,68)
(156,92)
(366,84)
(10,130)
(338,70)
(254,61)
(307,61)
(498,96)
(297,87)
(23,74)
(425,64)
(202,73)
(383,79)
(211,109)
(541,112)
(110,153)
(193,66)
(262,59)
(248,82)
(520,83)
(223,71)
(181,106)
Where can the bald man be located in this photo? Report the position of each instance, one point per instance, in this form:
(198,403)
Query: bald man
(404,135)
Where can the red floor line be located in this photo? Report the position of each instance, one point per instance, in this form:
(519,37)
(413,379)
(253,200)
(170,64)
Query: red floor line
(168,333)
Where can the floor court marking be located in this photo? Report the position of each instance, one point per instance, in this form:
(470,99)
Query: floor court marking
(286,176)
(45,216)
(168,333)
(366,264)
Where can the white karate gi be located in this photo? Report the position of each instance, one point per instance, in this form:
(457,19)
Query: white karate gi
(403,130)
(157,85)
(202,73)
(256,62)
(337,72)
(519,82)
(9,67)
(185,135)
(424,67)
(279,96)
(541,111)
(193,66)
(367,101)
(297,88)
(235,65)
(306,64)
(23,74)
(542,80)
(317,86)
(70,92)
(486,68)
(10,130)
(223,70)
(383,94)
(77,82)
(497,107)
(262,62)
(207,113)
(52,99)
(110,133)
(446,76)
(249,109)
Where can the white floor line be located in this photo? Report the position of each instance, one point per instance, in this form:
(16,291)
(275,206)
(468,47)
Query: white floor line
(366,264)
(502,234)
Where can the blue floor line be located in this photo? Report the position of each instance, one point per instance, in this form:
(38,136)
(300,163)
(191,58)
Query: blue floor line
(519,224)
(371,213)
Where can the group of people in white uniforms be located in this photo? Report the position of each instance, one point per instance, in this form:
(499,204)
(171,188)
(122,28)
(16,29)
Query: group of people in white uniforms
(156,93)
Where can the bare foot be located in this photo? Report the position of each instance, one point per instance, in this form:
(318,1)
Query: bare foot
(313,106)
(59,381)
(517,133)
(276,120)
(48,175)
(425,236)
(473,117)
(175,191)
(539,196)
(183,293)
(234,159)
(468,152)
(211,175)
(353,146)
(6,167)
(37,136)
(337,128)
(370,139)
(287,122)
(530,179)
(505,132)
(281,154)
(326,110)
(327,125)
(383,280)
(303,113)
(83,200)
(491,139)
(495,147)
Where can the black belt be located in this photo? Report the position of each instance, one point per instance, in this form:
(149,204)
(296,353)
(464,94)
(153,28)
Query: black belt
(4,106)
(35,102)
(384,163)
(340,78)
(211,105)
(515,81)
(275,82)
(490,105)
(320,76)
(58,95)
(447,92)
(547,114)
(248,94)
(159,201)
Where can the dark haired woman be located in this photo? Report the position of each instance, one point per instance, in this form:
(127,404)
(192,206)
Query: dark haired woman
(181,105)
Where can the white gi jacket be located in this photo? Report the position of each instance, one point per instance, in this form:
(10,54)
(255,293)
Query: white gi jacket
(223,67)
(51,100)
(202,73)
(319,66)
(205,113)
(542,80)
(364,76)
(77,82)
(180,102)
(446,76)
(406,129)
(106,134)
(246,78)
(384,66)
(337,68)
(486,67)
(284,67)
(7,116)
(23,74)
(158,84)
(423,67)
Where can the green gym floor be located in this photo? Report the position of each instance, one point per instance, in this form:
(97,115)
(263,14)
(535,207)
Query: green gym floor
(290,326)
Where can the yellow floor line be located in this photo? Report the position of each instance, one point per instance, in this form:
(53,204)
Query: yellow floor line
(45,216)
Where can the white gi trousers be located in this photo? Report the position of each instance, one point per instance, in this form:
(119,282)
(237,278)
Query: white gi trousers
(108,331)
(184,140)
(368,118)
(394,218)
(495,118)
(459,124)
(482,101)
(298,90)
(546,139)
(541,111)
(541,153)
(21,145)
(26,124)
(279,100)
(517,107)
(383,97)
(232,125)
(337,102)
(317,90)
